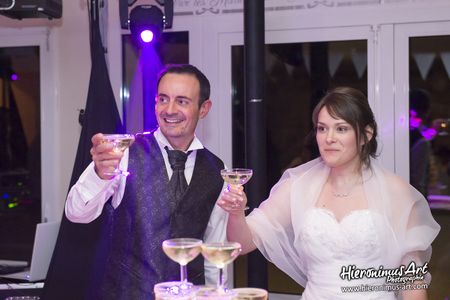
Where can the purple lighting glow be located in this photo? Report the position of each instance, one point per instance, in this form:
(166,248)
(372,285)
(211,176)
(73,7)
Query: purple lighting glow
(147,36)
(14,77)
(416,123)
(429,133)
(414,120)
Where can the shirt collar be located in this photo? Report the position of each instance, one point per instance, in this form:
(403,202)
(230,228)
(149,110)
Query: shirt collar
(162,141)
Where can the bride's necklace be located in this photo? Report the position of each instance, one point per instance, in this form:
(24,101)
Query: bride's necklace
(342,195)
(346,194)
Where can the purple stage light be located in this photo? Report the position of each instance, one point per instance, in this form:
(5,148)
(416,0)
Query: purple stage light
(146,23)
(146,36)
(14,77)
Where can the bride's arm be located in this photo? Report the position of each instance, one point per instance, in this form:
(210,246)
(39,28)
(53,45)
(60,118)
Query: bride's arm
(238,230)
(234,201)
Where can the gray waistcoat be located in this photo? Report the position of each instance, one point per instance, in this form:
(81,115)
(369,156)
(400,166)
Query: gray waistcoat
(143,220)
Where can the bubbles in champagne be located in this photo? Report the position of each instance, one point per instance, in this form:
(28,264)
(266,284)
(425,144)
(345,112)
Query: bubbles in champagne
(182,250)
(182,255)
(236,176)
(221,254)
(120,142)
(121,145)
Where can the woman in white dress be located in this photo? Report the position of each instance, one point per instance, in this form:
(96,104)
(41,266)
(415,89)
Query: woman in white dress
(341,225)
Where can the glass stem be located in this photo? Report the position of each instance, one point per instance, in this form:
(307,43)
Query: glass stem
(183,273)
(220,286)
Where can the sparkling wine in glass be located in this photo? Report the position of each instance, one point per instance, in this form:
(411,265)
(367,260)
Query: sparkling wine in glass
(182,251)
(220,255)
(236,176)
(120,143)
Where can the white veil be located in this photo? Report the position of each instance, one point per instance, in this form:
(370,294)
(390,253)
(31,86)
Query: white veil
(406,227)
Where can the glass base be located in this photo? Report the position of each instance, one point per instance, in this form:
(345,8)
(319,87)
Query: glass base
(171,290)
(250,294)
(214,293)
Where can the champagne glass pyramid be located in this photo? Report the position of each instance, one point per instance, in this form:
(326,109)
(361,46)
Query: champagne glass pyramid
(220,255)
(120,143)
(182,251)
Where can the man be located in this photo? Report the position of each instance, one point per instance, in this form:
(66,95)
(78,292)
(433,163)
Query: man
(149,204)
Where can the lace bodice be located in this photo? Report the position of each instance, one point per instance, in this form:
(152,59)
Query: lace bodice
(328,245)
(354,237)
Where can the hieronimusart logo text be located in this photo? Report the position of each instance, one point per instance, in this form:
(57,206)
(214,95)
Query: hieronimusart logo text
(402,274)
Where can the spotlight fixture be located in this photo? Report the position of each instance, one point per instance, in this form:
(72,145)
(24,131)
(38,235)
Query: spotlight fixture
(146,22)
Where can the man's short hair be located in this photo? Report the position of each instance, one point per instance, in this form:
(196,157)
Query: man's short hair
(205,87)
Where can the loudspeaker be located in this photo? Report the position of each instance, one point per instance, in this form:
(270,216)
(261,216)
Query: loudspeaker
(23,9)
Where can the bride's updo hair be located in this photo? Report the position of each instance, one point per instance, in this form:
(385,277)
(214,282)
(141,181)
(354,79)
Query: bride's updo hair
(351,105)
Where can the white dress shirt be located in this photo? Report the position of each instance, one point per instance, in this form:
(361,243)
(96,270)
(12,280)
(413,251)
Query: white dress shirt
(88,196)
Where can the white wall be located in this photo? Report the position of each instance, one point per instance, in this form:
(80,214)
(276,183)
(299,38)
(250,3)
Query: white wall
(72,67)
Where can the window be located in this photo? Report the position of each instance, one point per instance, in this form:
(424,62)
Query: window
(20,150)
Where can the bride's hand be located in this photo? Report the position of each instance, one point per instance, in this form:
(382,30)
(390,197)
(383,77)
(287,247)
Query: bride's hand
(233,199)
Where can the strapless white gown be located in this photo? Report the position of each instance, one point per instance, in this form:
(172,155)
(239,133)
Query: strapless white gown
(328,245)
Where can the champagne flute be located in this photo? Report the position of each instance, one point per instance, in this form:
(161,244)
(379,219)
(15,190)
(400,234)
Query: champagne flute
(220,255)
(182,251)
(120,143)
